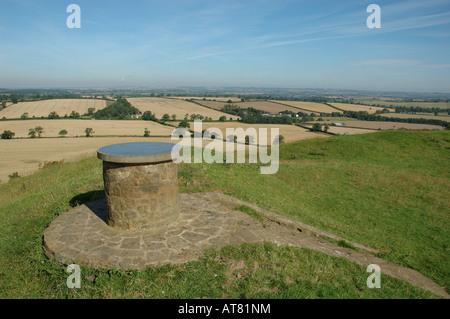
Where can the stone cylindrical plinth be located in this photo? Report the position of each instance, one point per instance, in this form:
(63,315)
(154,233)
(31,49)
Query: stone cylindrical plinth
(141,186)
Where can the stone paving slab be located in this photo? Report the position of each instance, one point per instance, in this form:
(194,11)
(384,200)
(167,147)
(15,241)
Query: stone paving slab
(205,220)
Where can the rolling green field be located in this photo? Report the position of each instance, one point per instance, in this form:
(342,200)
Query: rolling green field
(387,190)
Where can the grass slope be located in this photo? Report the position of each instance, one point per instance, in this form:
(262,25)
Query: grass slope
(387,190)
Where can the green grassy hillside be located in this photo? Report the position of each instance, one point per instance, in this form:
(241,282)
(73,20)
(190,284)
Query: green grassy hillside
(387,190)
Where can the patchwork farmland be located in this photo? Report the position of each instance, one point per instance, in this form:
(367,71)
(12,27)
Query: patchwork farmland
(161,106)
(24,155)
(270,107)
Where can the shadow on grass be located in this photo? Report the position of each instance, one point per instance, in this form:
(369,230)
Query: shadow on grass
(94,200)
(86,198)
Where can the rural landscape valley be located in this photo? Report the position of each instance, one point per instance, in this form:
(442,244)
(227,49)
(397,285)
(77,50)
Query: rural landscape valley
(343,169)
(26,151)
(226,158)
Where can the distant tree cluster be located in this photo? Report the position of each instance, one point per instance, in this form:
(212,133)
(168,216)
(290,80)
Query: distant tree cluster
(53,115)
(194,117)
(184,123)
(3,99)
(74,115)
(121,109)
(7,135)
(90,111)
(253,116)
(89,131)
(317,127)
(38,130)
(149,116)
(14,99)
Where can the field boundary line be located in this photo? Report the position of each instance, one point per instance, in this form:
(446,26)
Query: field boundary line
(296,107)
(211,108)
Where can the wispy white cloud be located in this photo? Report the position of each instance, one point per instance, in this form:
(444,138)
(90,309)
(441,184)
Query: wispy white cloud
(385,63)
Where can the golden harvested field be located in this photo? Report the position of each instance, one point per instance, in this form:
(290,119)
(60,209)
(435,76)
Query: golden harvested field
(273,108)
(25,156)
(45,107)
(180,108)
(391,125)
(76,127)
(312,107)
(208,98)
(357,107)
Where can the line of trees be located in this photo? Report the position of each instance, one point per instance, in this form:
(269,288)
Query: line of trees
(418,109)
(54,115)
(364,116)
(38,130)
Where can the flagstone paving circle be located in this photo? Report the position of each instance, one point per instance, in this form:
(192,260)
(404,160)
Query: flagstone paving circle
(82,236)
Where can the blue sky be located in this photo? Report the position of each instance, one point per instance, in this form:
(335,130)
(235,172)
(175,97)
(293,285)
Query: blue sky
(282,43)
